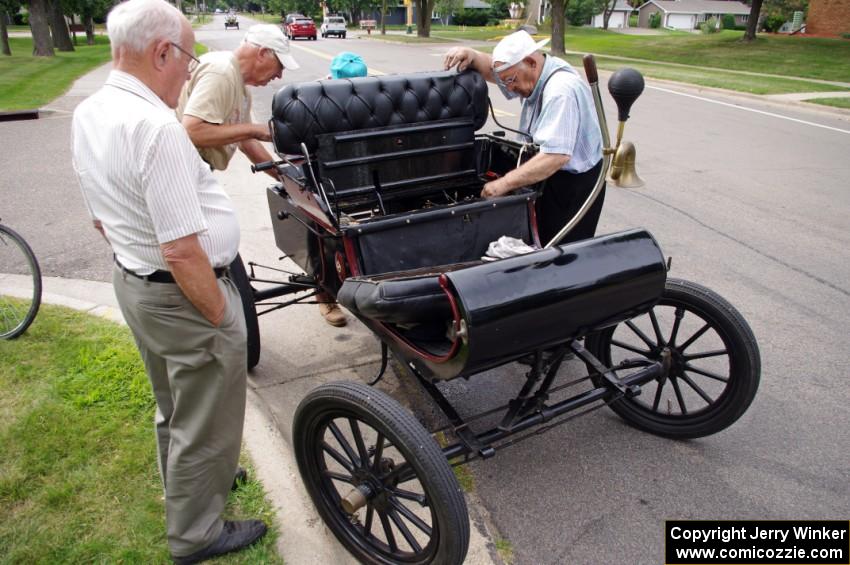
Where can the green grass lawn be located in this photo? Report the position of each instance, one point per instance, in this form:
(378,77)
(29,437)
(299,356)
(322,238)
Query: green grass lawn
(78,475)
(834,102)
(808,57)
(376,34)
(268,18)
(28,82)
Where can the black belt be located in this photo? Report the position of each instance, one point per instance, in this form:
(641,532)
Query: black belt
(166,276)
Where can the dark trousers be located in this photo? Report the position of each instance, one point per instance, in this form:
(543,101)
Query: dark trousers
(563,195)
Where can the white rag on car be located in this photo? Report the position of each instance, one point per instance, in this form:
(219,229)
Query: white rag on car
(505,247)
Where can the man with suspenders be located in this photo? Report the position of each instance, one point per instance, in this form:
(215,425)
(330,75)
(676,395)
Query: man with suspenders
(559,116)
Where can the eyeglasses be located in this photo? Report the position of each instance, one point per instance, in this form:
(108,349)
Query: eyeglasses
(193,61)
(509,81)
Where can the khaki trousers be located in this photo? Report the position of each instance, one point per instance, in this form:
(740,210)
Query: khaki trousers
(198,376)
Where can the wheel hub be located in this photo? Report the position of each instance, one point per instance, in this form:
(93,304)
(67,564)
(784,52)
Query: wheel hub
(672,362)
(368,486)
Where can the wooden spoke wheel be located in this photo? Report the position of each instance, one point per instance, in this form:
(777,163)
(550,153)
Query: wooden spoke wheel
(378,478)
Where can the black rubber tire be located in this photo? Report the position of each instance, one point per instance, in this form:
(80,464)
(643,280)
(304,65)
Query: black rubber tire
(343,36)
(252,325)
(23,262)
(371,410)
(726,328)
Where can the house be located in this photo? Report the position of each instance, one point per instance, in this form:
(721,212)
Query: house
(689,14)
(828,17)
(397,12)
(619,17)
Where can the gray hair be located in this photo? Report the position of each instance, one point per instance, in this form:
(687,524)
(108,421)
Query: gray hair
(135,24)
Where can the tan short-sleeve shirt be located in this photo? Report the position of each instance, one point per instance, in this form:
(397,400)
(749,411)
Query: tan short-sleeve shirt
(216,94)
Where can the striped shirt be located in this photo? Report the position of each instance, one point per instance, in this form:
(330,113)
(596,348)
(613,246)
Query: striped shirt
(142,178)
(564,120)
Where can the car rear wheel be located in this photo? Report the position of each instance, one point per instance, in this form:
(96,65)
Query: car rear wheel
(713,357)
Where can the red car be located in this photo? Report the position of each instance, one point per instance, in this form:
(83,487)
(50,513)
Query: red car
(301,27)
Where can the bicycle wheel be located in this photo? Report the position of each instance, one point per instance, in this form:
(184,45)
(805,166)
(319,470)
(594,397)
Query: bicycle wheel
(20,284)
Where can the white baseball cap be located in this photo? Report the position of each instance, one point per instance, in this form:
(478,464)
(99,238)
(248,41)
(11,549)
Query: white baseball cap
(271,37)
(514,48)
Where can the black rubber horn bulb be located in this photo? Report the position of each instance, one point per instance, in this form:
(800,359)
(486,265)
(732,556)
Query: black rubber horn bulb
(625,86)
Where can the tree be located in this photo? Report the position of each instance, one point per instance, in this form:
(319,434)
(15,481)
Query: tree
(88,10)
(499,9)
(424,9)
(446,8)
(579,12)
(6,7)
(753,21)
(558,27)
(59,27)
(42,44)
(607,9)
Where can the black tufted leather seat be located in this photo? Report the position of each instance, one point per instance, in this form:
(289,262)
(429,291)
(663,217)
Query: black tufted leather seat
(304,110)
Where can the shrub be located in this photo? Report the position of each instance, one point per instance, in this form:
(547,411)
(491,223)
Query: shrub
(21,19)
(728,21)
(579,12)
(471,17)
(655,20)
(845,36)
(709,26)
(772,23)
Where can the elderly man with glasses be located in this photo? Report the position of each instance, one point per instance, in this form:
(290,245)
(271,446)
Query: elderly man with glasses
(172,232)
(215,107)
(559,116)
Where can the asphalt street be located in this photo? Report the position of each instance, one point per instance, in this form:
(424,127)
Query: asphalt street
(748,197)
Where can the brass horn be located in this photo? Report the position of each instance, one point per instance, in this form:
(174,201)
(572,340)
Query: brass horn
(625,86)
(623,169)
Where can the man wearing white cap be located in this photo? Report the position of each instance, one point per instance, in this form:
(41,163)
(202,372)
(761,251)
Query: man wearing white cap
(558,114)
(215,107)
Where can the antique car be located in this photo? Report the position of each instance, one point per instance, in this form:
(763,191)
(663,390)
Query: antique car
(230,20)
(380,206)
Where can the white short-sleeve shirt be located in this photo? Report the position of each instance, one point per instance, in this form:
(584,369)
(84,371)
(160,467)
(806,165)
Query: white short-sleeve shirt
(562,117)
(142,178)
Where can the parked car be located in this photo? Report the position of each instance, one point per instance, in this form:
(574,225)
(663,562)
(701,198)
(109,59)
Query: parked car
(291,18)
(230,20)
(301,27)
(333,25)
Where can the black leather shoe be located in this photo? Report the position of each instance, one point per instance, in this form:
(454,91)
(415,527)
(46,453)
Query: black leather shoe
(234,536)
(240,478)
